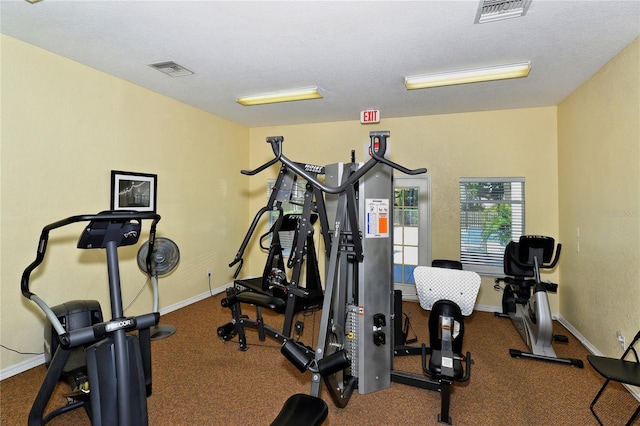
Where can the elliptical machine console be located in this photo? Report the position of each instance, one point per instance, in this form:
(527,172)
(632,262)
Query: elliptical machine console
(111,369)
(525,299)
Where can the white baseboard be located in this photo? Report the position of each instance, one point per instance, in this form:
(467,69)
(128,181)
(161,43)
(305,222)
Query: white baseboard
(487,308)
(35,361)
(21,367)
(587,344)
(194,299)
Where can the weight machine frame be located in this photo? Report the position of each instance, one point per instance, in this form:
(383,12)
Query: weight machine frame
(274,290)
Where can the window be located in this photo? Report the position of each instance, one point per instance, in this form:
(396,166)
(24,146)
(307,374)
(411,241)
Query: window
(491,215)
(411,230)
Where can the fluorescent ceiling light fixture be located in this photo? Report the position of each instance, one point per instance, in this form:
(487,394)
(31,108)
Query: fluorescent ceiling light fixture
(283,96)
(501,72)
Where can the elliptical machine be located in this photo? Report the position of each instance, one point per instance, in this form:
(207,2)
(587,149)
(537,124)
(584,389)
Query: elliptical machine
(117,365)
(525,298)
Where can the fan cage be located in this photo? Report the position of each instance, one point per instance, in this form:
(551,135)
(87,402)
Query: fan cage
(164,258)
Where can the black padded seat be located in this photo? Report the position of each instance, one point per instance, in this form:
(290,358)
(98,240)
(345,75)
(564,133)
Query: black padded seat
(258,299)
(302,410)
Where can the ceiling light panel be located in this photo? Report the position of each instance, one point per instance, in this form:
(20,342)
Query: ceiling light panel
(301,94)
(451,78)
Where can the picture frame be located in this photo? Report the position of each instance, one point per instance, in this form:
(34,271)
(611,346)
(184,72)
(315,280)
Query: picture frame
(133,191)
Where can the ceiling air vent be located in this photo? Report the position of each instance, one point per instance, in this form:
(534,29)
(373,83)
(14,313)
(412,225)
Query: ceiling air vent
(496,10)
(171,69)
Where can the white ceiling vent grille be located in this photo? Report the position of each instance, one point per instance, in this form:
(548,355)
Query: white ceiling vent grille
(496,10)
(171,69)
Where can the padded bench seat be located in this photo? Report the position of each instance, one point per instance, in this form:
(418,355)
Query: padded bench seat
(258,299)
(313,300)
(302,409)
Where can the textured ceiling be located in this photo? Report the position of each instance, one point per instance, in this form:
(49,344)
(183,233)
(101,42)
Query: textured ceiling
(356,52)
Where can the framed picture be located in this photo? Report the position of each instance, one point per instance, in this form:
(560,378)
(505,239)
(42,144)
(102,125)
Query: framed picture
(133,191)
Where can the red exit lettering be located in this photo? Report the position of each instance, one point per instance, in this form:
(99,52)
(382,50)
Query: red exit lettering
(370,116)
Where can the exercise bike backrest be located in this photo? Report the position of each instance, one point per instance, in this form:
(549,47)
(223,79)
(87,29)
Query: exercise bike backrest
(108,229)
(530,253)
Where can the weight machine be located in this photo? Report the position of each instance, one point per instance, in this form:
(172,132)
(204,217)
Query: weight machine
(355,346)
(276,289)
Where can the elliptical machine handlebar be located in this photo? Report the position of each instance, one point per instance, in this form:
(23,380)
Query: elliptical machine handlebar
(377,156)
(96,332)
(123,216)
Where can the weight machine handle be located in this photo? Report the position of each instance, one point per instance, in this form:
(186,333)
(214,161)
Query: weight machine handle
(246,240)
(261,168)
(377,156)
(109,216)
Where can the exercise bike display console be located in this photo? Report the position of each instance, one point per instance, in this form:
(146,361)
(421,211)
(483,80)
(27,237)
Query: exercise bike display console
(118,365)
(525,300)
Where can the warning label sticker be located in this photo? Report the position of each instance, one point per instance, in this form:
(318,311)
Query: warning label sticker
(377,218)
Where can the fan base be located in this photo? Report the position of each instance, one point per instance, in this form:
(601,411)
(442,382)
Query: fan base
(160,332)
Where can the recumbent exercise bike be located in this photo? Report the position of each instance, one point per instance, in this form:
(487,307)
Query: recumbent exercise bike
(525,298)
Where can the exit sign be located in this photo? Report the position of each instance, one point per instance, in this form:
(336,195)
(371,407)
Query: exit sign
(370,116)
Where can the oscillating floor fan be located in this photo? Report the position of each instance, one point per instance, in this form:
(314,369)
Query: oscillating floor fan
(164,259)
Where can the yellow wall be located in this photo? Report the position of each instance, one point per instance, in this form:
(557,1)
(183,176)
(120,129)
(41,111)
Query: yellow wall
(599,177)
(64,128)
(520,142)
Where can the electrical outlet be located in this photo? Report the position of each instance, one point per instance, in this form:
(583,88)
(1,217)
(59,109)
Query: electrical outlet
(208,273)
(621,339)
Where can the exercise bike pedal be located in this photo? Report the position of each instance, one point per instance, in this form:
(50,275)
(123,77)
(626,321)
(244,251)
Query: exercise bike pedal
(560,338)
